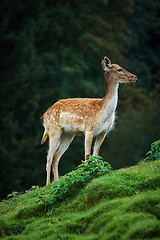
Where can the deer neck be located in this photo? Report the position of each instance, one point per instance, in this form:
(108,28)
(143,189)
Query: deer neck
(109,102)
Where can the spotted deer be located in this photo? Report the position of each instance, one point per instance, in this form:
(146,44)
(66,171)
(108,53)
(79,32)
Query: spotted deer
(88,117)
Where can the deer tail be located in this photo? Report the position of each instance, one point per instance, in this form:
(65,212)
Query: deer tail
(45,136)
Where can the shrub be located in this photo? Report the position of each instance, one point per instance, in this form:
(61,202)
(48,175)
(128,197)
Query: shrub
(153,154)
(74,181)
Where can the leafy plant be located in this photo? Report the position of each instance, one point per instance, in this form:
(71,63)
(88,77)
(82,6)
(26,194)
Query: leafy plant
(72,182)
(153,154)
(94,166)
(34,187)
(13,195)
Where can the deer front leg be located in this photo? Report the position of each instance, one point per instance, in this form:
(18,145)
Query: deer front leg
(88,144)
(99,140)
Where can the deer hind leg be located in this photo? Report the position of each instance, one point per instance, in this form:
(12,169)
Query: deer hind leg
(88,144)
(98,142)
(66,139)
(54,141)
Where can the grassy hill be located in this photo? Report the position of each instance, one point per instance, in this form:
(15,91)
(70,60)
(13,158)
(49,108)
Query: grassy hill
(122,204)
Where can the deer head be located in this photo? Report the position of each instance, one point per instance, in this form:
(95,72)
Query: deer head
(117,73)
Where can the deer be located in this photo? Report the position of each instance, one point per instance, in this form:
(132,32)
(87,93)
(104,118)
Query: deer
(87,117)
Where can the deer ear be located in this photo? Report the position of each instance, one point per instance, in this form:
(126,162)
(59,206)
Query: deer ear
(106,63)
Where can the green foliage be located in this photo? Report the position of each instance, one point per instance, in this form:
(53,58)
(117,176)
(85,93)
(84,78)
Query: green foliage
(94,166)
(53,50)
(12,195)
(69,184)
(143,52)
(121,205)
(153,154)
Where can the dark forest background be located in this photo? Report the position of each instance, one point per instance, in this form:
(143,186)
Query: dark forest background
(51,50)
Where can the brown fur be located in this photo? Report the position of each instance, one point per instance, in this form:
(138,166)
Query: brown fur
(83,116)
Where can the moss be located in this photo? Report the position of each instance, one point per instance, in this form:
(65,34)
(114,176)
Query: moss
(10,228)
(122,205)
(144,229)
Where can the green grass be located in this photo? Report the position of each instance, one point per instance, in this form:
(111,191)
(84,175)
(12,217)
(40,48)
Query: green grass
(122,204)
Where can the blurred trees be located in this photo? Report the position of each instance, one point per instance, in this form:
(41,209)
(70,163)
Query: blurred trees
(52,50)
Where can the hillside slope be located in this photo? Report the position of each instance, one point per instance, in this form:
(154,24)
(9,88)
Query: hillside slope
(122,204)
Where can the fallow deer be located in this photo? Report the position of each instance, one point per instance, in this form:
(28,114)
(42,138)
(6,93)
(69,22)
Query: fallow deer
(87,117)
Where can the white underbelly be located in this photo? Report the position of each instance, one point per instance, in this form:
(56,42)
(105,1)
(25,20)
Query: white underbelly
(74,129)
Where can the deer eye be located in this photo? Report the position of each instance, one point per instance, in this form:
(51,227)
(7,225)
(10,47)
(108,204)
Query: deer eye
(120,70)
